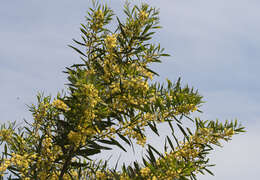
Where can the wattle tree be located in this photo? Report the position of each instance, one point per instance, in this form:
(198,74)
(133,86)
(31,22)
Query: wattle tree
(110,100)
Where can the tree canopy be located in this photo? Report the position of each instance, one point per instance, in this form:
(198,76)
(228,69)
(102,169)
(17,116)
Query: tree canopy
(111,100)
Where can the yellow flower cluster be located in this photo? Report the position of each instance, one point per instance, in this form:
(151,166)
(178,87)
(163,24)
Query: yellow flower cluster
(209,135)
(90,72)
(22,162)
(141,140)
(6,135)
(132,89)
(170,167)
(40,112)
(110,42)
(187,151)
(85,129)
(154,178)
(138,84)
(49,150)
(60,105)
(229,132)
(76,138)
(185,109)
(145,171)
(100,175)
(4,165)
(115,87)
(97,20)
(54,175)
(141,70)
(91,94)
(143,15)
(111,68)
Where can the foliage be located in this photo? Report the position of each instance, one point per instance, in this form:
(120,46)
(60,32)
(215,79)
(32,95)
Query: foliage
(111,97)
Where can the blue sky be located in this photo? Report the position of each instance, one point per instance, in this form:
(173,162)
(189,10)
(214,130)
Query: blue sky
(214,47)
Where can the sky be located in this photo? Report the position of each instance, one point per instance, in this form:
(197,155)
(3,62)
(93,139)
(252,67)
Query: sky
(214,47)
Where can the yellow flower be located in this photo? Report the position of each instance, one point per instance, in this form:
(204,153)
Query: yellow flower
(98,20)
(145,171)
(154,178)
(100,175)
(4,166)
(229,132)
(143,15)
(6,134)
(110,41)
(74,137)
(99,14)
(74,173)
(60,105)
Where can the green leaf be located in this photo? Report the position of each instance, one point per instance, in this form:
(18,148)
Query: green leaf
(84,32)
(130,171)
(94,145)
(148,35)
(116,162)
(146,29)
(77,164)
(78,65)
(151,156)
(88,152)
(137,167)
(5,151)
(183,131)
(211,173)
(151,71)
(121,28)
(112,142)
(124,138)
(157,152)
(77,50)
(82,44)
(153,128)
(145,162)
(170,142)
(165,55)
